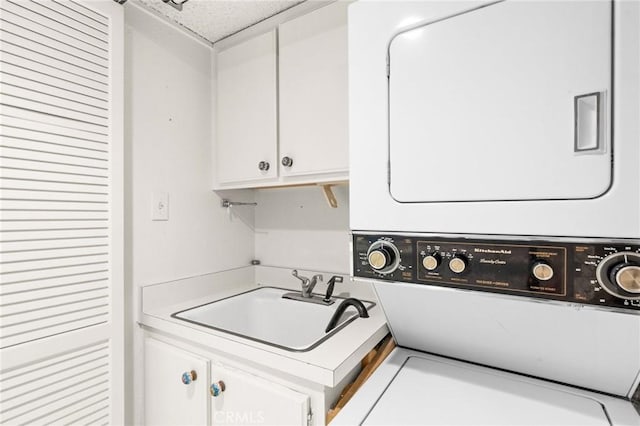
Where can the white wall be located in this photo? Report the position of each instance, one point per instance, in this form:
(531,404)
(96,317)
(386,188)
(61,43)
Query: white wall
(296,228)
(168,149)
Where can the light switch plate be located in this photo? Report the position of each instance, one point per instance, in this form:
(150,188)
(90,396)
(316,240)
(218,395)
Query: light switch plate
(160,206)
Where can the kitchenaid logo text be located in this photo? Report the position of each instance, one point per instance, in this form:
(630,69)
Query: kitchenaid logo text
(491,251)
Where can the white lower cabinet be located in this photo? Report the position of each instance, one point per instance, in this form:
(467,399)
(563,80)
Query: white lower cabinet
(167,399)
(183,388)
(248,399)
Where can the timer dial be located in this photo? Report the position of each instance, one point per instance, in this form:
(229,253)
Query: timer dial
(619,275)
(627,277)
(458,264)
(383,257)
(380,258)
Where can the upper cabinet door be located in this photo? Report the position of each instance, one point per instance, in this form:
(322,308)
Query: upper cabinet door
(247,110)
(511,101)
(313,92)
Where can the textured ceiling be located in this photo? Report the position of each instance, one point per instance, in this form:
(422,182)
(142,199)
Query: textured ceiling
(217,19)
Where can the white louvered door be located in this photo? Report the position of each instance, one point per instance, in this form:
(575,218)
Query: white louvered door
(61,213)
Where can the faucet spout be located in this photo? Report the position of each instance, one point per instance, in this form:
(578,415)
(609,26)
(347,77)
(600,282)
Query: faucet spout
(362,312)
(306,291)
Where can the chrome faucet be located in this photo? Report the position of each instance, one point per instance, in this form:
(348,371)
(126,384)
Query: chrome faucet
(307,284)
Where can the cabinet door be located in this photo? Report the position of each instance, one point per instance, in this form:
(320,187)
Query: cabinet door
(313,92)
(167,400)
(247,110)
(248,399)
(511,101)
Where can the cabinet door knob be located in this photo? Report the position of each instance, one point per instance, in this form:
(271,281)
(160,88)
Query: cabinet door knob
(263,165)
(287,161)
(217,388)
(188,377)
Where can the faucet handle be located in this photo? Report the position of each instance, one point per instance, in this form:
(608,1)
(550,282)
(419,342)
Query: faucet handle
(304,279)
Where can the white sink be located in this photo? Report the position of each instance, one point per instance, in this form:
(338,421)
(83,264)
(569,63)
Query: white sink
(264,316)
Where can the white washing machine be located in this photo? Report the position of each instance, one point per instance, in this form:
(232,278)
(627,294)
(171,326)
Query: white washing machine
(502,331)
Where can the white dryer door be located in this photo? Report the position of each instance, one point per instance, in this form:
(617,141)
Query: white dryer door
(510,101)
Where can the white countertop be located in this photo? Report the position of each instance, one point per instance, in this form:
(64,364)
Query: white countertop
(326,364)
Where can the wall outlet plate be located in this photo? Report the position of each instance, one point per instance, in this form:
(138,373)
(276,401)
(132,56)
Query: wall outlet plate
(160,206)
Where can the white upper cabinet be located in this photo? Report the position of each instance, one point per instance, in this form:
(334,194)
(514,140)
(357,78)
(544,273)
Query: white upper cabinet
(313,92)
(281,101)
(246,108)
(515,97)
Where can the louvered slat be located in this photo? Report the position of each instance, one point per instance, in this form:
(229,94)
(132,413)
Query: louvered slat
(83,10)
(20,127)
(38,161)
(13,290)
(60,234)
(48,152)
(43,197)
(15,300)
(70,93)
(40,77)
(60,26)
(90,411)
(52,175)
(9,228)
(76,267)
(30,39)
(49,61)
(47,28)
(15,97)
(54,322)
(55,13)
(37,118)
(72,11)
(60,304)
(69,386)
(56,104)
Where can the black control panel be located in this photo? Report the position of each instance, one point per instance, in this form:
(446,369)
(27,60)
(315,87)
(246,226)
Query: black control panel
(603,274)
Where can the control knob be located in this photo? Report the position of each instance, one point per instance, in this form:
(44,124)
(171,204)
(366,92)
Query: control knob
(383,257)
(431,261)
(627,277)
(619,275)
(458,264)
(542,271)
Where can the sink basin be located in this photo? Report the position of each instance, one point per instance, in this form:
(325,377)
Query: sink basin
(263,315)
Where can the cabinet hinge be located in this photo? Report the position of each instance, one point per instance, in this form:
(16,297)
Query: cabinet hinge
(309,418)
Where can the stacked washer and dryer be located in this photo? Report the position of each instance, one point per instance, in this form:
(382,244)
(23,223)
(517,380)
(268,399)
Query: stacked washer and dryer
(495,206)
